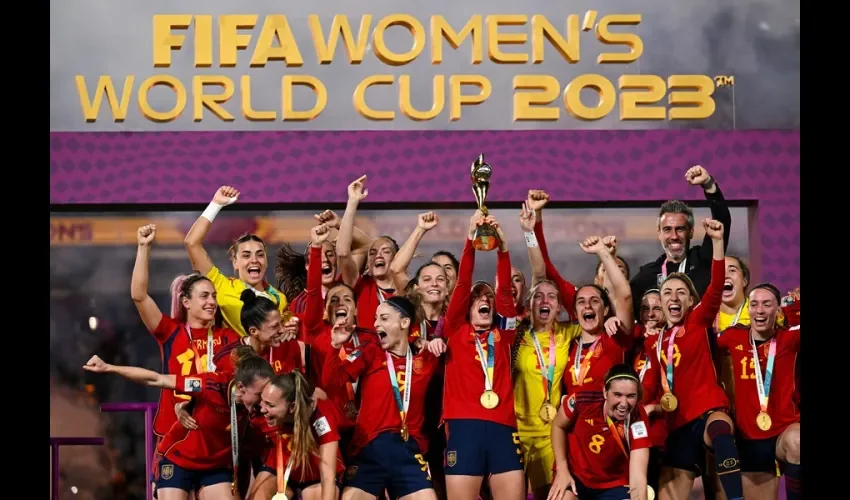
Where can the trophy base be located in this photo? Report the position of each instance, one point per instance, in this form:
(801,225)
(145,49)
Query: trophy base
(485,239)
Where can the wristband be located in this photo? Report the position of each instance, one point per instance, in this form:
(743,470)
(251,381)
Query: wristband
(211,211)
(709,184)
(530,239)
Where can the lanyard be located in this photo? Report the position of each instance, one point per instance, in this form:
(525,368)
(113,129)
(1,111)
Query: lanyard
(615,430)
(547,372)
(644,368)
(282,477)
(270,293)
(667,381)
(734,320)
(198,365)
(763,383)
(403,402)
(381,298)
(682,266)
(234,435)
(423,329)
(488,362)
(353,385)
(581,367)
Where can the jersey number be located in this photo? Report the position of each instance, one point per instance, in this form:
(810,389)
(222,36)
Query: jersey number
(596,443)
(574,377)
(748,368)
(677,356)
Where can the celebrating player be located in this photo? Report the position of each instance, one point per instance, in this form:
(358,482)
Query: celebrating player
(696,404)
(389,442)
(764,355)
(248,255)
(303,459)
(375,287)
(478,400)
(202,459)
(605,453)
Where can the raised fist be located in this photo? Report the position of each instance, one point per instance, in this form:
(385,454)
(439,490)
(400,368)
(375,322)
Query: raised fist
(319,235)
(537,199)
(427,221)
(697,176)
(226,195)
(713,228)
(146,235)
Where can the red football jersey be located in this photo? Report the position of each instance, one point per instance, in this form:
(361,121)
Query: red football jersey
(781,406)
(284,358)
(566,290)
(324,429)
(609,351)
(593,453)
(318,333)
(379,412)
(209,446)
(179,358)
(648,373)
(464,376)
(695,382)
(366,292)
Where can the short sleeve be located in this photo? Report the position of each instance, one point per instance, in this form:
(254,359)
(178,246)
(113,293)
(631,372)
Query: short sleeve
(639,432)
(218,279)
(568,406)
(325,426)
(166,329)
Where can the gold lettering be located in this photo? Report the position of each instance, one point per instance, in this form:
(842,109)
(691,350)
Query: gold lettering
(325,50)
(440,28)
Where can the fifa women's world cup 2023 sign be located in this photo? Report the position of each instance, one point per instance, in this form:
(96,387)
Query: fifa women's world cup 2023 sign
(220,46)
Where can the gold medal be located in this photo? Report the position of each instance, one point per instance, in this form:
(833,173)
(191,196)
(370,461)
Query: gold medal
(280,496)
(489,400)
(350,410)
(404,432)
(650,493)
(548,412)
(233,487)
(763,420)
(669,402)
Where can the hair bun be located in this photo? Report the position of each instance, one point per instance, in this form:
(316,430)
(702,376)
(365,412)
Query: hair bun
(248,296)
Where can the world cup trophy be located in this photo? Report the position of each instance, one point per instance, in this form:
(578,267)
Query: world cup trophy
(486,238)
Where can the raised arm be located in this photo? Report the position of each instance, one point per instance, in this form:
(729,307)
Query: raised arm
(148,310)
(133,373)
(537,199)
(621,293)
(459,301)
(527,221)
(314,306)
(357,192)
(709,306)
(399,266)
(360,241)
(699,176)
(341,367)
(505,305)
(194,240)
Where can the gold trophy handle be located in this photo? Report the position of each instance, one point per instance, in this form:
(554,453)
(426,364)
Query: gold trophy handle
(486,238)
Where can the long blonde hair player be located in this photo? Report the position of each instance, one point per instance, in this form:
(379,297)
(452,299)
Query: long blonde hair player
(539,359)
(250,262)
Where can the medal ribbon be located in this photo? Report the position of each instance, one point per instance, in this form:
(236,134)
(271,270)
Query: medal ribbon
(282,477)
(423,329)
(667,381)
(582,366)
(488,365)
(270,292)
(403,404)
(351,387)
(547,372)
(763,384)
(682,266)
(734,320)
(198,365)
(615,430)
(381,298)
(643,368)
(234,432)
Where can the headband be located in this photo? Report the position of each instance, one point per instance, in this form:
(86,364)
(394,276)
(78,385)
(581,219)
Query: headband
(397,308)
(622,375)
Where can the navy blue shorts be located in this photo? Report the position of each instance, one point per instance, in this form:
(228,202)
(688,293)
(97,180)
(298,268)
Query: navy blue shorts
(585,493)
(388,463)
(685,447)
(481,448)
(296,486)
(171,475)
(757,455)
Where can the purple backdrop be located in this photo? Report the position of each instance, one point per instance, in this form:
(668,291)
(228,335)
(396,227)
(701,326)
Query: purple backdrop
(421,166)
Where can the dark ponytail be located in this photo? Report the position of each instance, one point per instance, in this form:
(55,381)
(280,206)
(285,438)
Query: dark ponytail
(249,366)
(255,308)
(291,270)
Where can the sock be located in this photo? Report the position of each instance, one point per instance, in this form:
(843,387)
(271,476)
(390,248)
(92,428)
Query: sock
(793,481)
(726,455)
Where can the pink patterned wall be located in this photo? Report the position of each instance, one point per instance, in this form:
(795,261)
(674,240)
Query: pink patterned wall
(762,167)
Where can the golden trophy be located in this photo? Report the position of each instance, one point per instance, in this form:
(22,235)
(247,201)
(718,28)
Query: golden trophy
(485,238)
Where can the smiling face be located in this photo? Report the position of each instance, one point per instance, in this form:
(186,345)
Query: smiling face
(764,309)
(735,283)
(482,302)
(432,284)
(448,266)
(340,306)
(591,309)
(201,303)
(249,262)
(545,306)
(517,285)
(380,256)
(651,312)
(249,395)
(674,235)
(275,407)
(676,299)
(391,327)
(270,331)
(329,264)
(621,398)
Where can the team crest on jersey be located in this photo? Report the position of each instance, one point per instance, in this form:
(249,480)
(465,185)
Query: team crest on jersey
(571,403)
(354,355)
(451,458)
(191,384)
(417,365)
(166,471)
(351,472)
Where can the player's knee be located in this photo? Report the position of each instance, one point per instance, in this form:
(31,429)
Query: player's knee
(718,427)
(790,444)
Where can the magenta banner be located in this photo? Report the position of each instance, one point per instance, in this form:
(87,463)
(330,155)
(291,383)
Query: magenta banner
(761,167)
